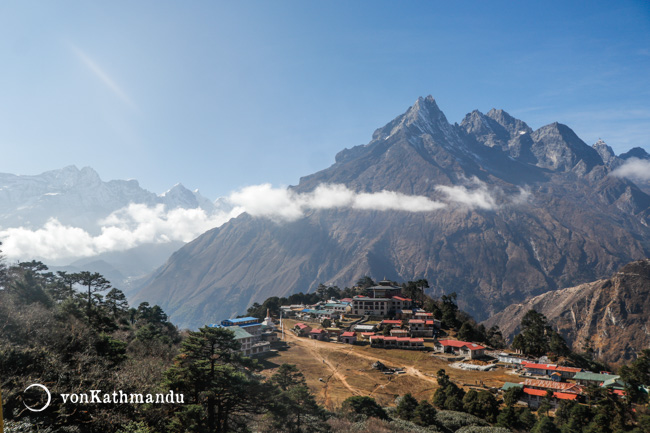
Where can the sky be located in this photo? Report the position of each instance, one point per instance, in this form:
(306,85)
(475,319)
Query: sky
(222,95)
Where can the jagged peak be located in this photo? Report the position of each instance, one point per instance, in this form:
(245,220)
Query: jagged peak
(476,121)
(425,109)
(513,125)
(558,147)
(178,188)
(606,153)
(600,143)
(423,117)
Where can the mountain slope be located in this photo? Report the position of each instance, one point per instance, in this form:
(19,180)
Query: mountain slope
(527,212)
(614,313)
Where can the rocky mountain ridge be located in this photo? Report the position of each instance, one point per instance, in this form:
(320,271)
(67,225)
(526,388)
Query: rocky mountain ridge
(611,315)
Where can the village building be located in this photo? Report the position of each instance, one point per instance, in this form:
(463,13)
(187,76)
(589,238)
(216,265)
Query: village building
(551,370)
(248,333)
(384,289)
(421,328)
(339,307)
(348,337)
(365,328)
(318,314)
(302,330)
(334,332)
(399,332)
(506,386)
(371,306)
(615,384)
(404,314)
(535,397)
(269,336)
(572,388)
(291,310)
(399,303)
(396,342)
(391,322)
(588,378)
(319,334)
(462,348)
(367,335)
(383,300)
(509,358)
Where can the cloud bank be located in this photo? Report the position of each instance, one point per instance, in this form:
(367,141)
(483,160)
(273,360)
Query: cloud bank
(283,204)
(635,169)
(126,228)
(139,224)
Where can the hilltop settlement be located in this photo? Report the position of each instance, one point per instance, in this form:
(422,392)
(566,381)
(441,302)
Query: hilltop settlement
(388,316)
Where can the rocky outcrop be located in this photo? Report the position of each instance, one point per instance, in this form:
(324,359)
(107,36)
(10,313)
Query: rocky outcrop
(612,314)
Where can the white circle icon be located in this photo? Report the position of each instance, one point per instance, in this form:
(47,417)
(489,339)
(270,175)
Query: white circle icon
(49,397)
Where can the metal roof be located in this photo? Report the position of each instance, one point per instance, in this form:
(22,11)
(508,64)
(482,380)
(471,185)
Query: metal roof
(506,386)
(596,377)
(239,332)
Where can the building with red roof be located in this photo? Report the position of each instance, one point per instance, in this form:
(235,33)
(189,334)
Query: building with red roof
(302,330)
(397,342)
(421,328)
(348,337)
(572,388)
(534,397)
(319,334)
(391,322)
(463,348)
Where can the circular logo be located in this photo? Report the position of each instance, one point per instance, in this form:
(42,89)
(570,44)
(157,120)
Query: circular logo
(47,391)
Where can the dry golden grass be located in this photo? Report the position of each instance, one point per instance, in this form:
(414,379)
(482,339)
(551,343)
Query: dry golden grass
(346,370)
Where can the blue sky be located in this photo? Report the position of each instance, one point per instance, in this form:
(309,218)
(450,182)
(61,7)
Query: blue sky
(220,95)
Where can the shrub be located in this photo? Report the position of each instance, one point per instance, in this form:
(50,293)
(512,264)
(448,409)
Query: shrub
(453,420)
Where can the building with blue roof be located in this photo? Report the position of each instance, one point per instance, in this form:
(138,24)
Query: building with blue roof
(241,321)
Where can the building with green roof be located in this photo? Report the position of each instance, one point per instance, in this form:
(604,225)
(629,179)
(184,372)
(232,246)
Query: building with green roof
(588,378)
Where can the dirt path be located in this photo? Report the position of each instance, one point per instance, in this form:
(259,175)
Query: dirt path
(314,343)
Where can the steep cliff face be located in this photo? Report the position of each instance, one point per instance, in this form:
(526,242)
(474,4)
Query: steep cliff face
(525,212)
(612,313)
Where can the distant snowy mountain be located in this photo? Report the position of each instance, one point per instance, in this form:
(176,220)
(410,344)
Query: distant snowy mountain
(72,219)
(80,198)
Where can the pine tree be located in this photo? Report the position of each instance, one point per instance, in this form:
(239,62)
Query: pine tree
(406,407)
(94,283)
(210,371)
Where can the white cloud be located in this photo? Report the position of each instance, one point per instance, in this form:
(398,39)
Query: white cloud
(283,204)
(139,224)
(478,197)
(126,228)
(635,169)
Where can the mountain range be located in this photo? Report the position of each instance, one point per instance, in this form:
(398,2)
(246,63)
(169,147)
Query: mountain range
(79,198)
(516,213)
